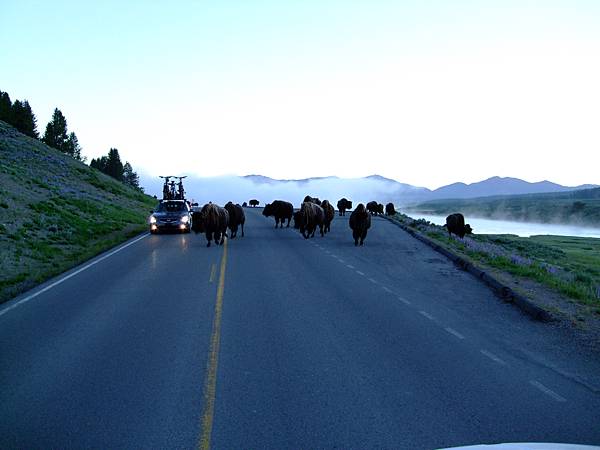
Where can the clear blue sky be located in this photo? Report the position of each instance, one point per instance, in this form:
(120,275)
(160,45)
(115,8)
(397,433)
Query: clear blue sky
(426,92)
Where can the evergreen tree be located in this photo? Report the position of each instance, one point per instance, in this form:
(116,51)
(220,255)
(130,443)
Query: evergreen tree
(73,147)
(130,177)
(23,119)
(114,166)
(5,107)
(56,132)
(99,163)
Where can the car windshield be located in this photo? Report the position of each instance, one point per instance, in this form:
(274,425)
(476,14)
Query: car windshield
(171,207)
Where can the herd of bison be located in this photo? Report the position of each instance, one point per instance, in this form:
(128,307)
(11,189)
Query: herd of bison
(313,214)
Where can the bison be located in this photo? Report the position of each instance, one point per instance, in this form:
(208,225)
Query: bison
(343,205)
(314,200)
(389,209)
(236,218)
(253,202)
(297,219)
(455,223)
(375,208)
(311,217)
(360,222)
(213,221)
(281,210)
(244,205)
(329,215)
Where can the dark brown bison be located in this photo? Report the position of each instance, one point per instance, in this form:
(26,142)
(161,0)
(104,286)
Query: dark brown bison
(297,219)
(311,216)
(244,205)
(343,205)
(253,202)
(281,210)
(236,218)
(213,221)
(375,208)
(329,215)
(314,200)
(360,222)
(455,223)
(389,209)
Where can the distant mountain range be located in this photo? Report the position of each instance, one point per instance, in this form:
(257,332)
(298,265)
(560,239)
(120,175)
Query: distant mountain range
(403,193)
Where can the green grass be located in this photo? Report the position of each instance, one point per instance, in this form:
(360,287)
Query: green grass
(56,212)
(569,265)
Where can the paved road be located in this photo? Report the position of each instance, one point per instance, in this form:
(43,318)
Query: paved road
(273,341)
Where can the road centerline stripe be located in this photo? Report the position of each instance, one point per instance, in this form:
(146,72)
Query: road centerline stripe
(403,300)
(426,314)
(548,392)
(213,272)
(359,272)
(210,382)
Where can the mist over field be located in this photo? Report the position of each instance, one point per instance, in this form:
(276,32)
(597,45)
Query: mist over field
(220,190)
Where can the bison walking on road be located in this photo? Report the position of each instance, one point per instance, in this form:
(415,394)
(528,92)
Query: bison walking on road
(281,210)
(343,204)
(311,216)
(253,202)
(211,220)
(455,223)
(360,222)
(329,215)
(236,218)
(375,208)
(389,209)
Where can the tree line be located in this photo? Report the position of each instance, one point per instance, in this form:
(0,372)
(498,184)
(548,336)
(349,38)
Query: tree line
(20,115)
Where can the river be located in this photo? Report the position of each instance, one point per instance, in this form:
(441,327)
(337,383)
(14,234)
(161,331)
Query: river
(524,229)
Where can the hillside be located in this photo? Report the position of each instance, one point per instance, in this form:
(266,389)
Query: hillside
(56,212)
(580,207)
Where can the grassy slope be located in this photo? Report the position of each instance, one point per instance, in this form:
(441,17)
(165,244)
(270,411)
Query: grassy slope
(568,265)
(56,212)
(577,208)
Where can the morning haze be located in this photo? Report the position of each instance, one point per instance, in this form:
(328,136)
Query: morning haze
(427,94)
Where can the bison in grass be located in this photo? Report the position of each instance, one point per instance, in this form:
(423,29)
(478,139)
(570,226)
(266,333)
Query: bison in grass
(311,216)
(389,209)
(253,202)
(329,215)
(343,204)
(281,210)
(236,218)
(360,222)
(455,223)
(211,220)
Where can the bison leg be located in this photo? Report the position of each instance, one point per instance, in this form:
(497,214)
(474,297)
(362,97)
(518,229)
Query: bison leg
(321,229)
(288,224)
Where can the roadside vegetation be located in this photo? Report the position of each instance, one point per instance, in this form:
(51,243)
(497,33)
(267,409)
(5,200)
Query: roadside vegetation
(580,207)
(568,265)
(56,212)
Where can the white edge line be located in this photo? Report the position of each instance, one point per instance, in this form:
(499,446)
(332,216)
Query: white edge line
(547,391)
(453,332)
(492,357)
(65,278)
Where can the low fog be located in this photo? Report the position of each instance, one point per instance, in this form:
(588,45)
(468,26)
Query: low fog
(220,190)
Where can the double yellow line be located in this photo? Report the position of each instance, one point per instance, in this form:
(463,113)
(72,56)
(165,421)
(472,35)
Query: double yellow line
(210,383)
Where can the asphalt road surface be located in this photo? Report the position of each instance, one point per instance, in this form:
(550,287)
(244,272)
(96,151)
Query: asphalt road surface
(273,341)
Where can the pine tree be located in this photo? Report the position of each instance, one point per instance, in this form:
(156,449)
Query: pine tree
(114,166)
(130,177)
(5,107)
(73,147)
(56,132)
(23,119)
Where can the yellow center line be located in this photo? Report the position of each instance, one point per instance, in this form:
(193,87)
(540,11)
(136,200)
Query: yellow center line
(210,383)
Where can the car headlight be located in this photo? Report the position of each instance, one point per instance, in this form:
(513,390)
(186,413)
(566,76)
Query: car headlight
(185,219)
(152,219)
